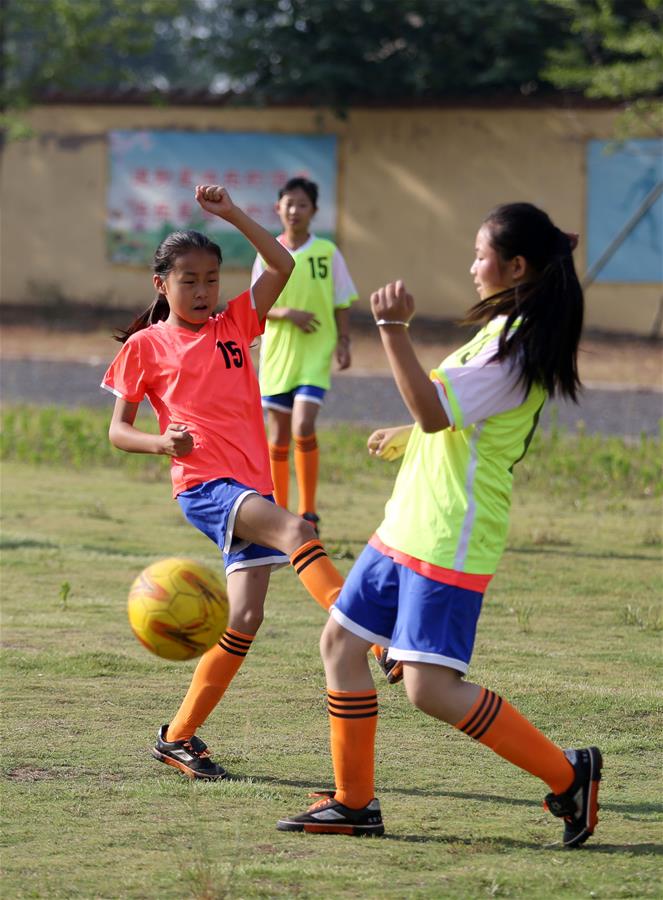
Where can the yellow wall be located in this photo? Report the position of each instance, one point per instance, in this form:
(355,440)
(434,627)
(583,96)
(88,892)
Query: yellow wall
(413,187)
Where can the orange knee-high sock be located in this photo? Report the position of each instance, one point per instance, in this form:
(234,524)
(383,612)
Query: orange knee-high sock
(353,721)
(213,674)
(278,463)
(317,573)
(320,577)
(307,460)
(494,722)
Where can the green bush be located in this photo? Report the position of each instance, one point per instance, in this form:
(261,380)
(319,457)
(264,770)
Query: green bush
(557,462)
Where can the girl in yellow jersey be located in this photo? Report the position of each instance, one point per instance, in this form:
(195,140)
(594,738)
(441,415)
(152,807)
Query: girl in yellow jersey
(417,588)
(306,327)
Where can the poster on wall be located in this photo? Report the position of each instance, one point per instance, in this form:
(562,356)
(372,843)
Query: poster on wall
(619,179)
(152,175)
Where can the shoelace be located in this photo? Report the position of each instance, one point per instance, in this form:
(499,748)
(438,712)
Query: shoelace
(202,754)
(325,797)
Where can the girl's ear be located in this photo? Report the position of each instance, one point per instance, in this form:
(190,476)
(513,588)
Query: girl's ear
(518,266)
(159,284)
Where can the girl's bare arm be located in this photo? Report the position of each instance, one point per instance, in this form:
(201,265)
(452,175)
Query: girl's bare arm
(175,441)
(278,262)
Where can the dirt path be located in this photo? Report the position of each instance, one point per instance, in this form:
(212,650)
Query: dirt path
(604,361)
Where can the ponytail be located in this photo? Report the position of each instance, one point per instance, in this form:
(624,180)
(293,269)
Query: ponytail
(157,311)
(170,248)
(543,316)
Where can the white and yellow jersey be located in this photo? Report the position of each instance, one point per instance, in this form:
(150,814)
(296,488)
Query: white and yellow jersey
(320,283)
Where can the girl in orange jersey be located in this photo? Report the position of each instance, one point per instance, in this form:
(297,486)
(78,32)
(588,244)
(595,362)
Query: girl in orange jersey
(194,368)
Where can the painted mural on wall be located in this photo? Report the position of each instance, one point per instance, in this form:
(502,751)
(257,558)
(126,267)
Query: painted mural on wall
(619,179)
(152,175)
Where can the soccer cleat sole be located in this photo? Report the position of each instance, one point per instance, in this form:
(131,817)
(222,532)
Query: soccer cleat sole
(592,803)
(313,828)
(184,769)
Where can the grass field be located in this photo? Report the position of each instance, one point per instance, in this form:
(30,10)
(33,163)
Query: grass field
(571,633)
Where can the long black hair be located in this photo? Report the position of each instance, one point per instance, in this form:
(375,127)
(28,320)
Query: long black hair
(171,247)
(549,307)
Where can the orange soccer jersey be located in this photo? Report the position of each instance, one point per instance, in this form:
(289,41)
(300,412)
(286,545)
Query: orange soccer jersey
(206,381)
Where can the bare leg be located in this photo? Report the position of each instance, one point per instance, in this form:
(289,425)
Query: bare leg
(344,658)
(439,691)
(278,427)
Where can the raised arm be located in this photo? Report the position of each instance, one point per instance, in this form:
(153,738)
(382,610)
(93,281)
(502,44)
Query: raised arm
(393,307)
(278,262)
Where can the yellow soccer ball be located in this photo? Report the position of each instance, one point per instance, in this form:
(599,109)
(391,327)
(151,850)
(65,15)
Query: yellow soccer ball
(178,608)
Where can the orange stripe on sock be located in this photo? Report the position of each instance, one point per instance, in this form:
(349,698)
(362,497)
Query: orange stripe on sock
(351,706)
(213,674)
(306,444)
(353,745)
(235,642)
(494,722)
(317,573)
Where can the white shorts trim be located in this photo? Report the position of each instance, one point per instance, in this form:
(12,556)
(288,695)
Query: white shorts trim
(351,626)
(435,659)
(276,562)
(230,527)
(304,398)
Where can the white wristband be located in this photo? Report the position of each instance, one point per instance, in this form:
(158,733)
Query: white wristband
(391,322)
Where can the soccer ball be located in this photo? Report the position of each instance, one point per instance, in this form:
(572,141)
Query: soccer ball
(177,608)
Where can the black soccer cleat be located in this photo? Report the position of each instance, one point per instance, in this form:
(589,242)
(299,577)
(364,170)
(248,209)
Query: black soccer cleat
(328,816)
(314,520)
(391,668)
(578,805)
(189,756)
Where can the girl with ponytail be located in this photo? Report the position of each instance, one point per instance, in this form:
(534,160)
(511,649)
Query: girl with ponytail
(418,586)
(194,367)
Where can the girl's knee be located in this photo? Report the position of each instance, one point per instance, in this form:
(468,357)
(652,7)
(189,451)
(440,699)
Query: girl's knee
(246,621)
(299,532)
(334,642)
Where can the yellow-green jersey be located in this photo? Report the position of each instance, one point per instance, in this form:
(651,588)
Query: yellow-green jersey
(320,283)
(448,515)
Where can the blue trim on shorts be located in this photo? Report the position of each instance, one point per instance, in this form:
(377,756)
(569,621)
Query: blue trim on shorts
(285,402)
(419,619)
(212,507)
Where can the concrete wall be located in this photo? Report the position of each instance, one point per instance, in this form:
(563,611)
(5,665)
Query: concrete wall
(413,187)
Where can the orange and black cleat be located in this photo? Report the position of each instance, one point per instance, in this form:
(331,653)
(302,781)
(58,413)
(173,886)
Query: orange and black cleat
(391,668)
(314,520)
(191,757)
(328,816)
(579,806)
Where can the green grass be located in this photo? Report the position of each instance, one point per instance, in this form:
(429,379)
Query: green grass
(571,634)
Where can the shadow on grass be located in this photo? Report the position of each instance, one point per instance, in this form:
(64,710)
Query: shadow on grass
(550,551)
(9,543)
(506,843)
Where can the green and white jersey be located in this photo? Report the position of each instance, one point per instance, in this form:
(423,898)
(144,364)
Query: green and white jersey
(449,510)
(320,283)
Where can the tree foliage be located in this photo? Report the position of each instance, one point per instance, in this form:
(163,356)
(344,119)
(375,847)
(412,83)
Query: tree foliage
(617,54)
(70,45)
(332,53)
(352,51)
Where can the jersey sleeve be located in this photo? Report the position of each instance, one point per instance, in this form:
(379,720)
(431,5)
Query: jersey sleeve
(473,390)
(126,376)
(242,312)
(345,292)
(257,270)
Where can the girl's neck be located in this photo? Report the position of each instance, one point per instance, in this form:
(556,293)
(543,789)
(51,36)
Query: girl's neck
(295,240)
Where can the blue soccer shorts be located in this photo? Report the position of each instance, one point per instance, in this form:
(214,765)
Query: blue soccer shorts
(285,402)
(418,619)
(212,507)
